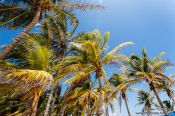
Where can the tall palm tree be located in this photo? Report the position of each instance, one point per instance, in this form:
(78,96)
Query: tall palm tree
(58,36)
(145,98)
(27,13)
(150,70)
(122,84)
(88,58)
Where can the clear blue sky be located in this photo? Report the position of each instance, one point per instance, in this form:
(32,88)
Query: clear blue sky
(150,24)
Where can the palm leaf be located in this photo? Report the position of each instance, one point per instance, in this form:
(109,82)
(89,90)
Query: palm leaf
(24,80)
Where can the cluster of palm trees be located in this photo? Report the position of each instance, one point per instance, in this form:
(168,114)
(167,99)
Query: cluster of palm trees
(55,72)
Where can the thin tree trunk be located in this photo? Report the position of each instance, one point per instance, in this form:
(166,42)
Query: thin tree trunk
(89,110)
(46,112)
(158,98)
(21,36)
(107,112)
(35,103)
(99,109)
(126,103)
(62,111)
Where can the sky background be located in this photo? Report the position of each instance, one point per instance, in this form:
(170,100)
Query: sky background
(150,24)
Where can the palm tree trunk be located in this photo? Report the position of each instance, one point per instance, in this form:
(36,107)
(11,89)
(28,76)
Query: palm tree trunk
(126,103)
(62,111)
(107,111)
(158,98)
(46,112)
(21,36)
(35,103)
(89,110)
(99,109)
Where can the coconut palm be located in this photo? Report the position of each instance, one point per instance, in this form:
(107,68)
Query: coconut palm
(88,58)
(150,70)
(109,100)
(27,13)
(122,84)
(58,36)
(145,98)
(168,105)
(166,86)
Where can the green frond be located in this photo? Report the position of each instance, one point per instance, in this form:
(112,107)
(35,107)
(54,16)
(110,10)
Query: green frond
(4,65)
(161,65)
(13,17)
(38,56)
(106,37)
(157,58)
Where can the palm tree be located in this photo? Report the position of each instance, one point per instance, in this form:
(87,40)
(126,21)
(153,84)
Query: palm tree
(46,48)
(58,36)
(145,98)
(82,99)
(88,58)
(27,13)
(122,84)
(150,70)
(36,57)
(166,86)
(168,105)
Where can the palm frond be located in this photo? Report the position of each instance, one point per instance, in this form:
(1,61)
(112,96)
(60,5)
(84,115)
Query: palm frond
(38,56)
(24,80)
(157,57)
(113,53)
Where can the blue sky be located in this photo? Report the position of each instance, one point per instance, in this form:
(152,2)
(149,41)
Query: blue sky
(150,24)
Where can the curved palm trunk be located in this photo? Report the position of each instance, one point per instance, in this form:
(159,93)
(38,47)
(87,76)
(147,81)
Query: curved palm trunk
(21,36)
(99,109)
(46,112)
(158,98)
(126,103)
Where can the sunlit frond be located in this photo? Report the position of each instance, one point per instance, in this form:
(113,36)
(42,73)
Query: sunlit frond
(158,57)
(112,55)
(24,80)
